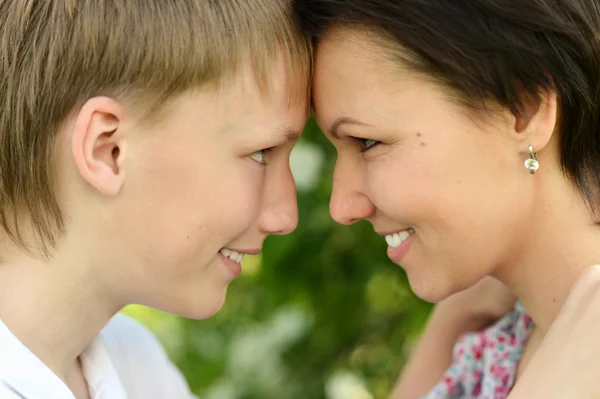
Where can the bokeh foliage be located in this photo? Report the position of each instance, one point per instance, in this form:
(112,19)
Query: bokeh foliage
(320,303)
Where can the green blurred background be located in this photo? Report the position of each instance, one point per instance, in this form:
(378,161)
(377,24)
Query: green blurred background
(322,313)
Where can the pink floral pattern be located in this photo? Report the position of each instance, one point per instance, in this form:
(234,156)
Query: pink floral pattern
(485,363)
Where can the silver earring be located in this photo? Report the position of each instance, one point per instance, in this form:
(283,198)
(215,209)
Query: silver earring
(532,163)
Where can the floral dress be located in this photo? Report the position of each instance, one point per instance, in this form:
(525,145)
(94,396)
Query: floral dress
(485,363)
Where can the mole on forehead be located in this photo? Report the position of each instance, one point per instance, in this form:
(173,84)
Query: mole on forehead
(419,135)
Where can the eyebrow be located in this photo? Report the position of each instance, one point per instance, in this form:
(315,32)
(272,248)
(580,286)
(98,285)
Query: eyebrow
(344,120)
(290,134)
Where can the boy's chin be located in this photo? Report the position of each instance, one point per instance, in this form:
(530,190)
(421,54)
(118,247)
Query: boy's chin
(203,308)
(196,307)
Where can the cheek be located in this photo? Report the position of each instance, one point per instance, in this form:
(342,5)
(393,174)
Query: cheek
(468,211)
(402,182)
(449,186)
(215,202)
(185,210)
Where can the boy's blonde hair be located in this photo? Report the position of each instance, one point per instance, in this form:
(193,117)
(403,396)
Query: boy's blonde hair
(58,53)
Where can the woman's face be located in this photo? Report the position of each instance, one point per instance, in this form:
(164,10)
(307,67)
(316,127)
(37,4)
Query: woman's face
(447,187)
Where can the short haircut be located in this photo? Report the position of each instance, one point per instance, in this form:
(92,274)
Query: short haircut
(59,53)
(503,50)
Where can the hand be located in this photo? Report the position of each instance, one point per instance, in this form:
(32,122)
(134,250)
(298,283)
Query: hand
(470,310)
(567,363)
(487,300)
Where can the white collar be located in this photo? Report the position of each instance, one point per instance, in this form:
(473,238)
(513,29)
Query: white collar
(26,374)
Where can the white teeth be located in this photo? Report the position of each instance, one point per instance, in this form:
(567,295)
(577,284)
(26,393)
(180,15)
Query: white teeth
(226,252)
(233,255)
(394,240)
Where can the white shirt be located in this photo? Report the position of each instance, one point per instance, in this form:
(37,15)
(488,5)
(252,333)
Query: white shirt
(124,361)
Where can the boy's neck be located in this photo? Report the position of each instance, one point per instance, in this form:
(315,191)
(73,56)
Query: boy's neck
(55,308)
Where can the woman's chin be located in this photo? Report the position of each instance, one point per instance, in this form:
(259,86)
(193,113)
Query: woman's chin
(429,289)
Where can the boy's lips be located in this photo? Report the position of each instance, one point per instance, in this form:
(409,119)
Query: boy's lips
(232,258)
(248,251)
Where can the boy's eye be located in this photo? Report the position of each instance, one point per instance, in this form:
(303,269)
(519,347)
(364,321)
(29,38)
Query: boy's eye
(367,144)
(260,156)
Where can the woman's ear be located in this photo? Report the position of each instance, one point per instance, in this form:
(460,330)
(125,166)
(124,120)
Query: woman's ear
(536,122)
(98,144)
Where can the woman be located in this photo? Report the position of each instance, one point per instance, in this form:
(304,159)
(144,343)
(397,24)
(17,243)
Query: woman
(467,134)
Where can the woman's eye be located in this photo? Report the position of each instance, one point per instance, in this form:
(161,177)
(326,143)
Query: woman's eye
(261,156)
(367,144)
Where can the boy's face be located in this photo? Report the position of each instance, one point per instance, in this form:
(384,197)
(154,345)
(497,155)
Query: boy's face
(195,186)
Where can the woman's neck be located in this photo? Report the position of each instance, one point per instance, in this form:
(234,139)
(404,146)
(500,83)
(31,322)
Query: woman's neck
(561,242)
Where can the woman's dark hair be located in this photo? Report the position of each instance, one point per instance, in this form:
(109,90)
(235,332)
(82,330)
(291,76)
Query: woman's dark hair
(505,50)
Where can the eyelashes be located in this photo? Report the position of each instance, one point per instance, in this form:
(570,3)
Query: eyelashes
(367,144)
(261,156)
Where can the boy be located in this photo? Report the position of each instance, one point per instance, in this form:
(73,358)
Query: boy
(144,150)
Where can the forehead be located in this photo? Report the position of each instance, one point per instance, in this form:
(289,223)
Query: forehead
(353,76)
(283,87)
(356,77)
(260,109)
(344,54)
(246,95)
(239,104)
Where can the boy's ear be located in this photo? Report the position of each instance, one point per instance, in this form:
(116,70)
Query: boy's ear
(98,144)
(536,122)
